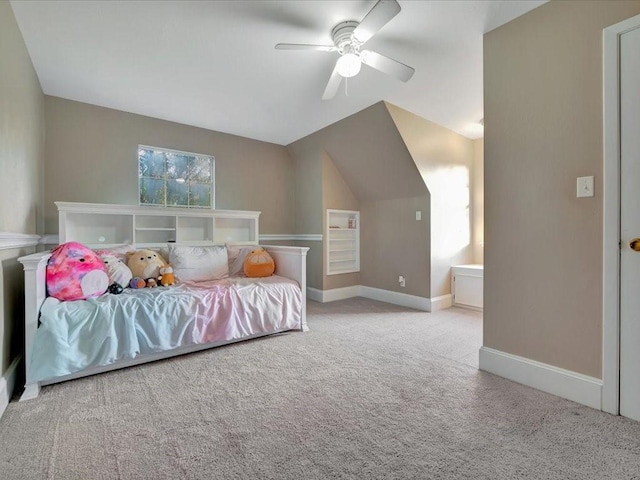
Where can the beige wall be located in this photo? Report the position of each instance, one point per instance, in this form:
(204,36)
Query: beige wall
(394,243)
(445,162)
(307,163)
(91,156)
(362,160)
(21,132)
(21,162)
(369,154)
(543,128)
(314,263)
(477,203)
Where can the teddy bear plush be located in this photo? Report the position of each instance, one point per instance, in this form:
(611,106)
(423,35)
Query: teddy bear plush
(259,263)
(145,264)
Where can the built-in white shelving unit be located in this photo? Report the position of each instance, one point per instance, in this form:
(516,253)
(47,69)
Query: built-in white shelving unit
(343,241)
(107,225)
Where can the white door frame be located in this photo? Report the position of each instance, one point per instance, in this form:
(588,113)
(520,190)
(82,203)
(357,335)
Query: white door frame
(611,215)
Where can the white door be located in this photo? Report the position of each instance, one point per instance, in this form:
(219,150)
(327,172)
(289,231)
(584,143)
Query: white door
(630,224)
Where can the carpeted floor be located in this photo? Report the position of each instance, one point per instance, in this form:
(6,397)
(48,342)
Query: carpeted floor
(372,391)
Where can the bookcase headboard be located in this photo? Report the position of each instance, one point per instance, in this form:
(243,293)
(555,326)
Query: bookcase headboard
(102,225)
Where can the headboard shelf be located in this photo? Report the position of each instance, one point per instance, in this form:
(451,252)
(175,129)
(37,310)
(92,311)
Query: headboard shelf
(96,225)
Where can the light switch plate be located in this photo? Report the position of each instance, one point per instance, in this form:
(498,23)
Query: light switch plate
(418,215)
(584,187)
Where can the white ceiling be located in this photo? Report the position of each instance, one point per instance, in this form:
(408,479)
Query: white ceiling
(213,64)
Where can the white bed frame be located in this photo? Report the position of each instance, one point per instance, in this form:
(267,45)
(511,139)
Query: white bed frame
(290,263)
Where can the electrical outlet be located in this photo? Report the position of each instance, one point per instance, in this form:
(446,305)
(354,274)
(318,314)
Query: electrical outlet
(402,281)
(584,187)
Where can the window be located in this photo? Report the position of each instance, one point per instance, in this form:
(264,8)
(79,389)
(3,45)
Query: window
(170,178)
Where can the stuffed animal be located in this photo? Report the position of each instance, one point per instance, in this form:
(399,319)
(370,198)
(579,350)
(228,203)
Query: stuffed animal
(75,272)
(145,264)
(166,276)
(116,288)
(259,263)
(152,282)
(117,270)
(137,282)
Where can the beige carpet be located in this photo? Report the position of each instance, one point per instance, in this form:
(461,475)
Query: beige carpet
(372,391)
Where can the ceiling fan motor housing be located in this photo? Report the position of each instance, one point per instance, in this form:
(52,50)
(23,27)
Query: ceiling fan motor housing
(343,38)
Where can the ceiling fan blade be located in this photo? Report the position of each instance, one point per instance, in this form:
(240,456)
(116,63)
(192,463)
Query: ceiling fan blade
(378,17)
(303,46)
(387,65)
(332,85)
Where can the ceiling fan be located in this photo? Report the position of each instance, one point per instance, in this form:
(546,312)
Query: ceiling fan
(348,38)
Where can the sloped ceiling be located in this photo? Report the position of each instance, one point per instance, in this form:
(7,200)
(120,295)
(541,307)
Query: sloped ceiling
(212,64)
(369,153)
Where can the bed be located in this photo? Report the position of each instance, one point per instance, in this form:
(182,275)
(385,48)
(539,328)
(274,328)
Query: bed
(69,340)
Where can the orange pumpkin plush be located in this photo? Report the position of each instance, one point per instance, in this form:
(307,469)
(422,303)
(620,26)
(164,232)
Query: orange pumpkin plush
(258,263)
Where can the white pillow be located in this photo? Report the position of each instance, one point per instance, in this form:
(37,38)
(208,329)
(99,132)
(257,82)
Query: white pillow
(199,264)
(237,254)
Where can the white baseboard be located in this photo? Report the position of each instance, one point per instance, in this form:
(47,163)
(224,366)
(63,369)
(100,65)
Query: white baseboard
(388,296)
(557,381)
(314,294)
(7,382)
(441,302)
(468,307)
(340,293)
(396,298)
(334,294)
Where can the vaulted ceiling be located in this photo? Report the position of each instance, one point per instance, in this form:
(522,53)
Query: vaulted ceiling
(213,64)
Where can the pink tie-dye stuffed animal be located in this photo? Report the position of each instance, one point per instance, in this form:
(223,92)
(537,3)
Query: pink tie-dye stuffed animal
(75,272)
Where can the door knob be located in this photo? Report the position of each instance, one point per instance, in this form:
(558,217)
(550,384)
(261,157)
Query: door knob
(635,244)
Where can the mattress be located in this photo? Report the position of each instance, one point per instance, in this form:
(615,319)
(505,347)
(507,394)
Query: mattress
(76,335)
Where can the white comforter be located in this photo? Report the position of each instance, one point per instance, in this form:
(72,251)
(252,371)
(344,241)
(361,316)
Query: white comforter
(100,331)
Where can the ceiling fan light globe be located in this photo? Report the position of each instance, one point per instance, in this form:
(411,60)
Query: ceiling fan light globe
(348,65)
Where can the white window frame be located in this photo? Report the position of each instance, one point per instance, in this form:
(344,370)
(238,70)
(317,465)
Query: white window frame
(178,152)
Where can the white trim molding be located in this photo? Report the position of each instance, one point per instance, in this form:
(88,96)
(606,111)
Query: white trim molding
(324,296)
(557,381)
(611,214)
(10,240)
(396,298)
(314,294)
(52,238)
(7,382)
(303,237)
(442,302)
(388,296)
